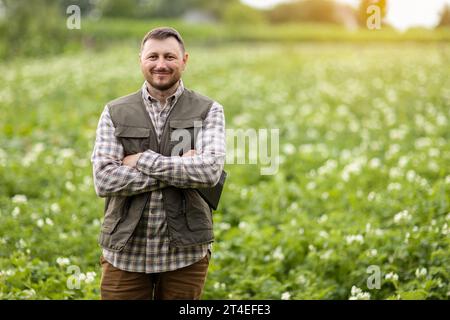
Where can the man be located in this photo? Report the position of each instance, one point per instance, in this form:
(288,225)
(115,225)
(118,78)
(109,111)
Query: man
(157,230)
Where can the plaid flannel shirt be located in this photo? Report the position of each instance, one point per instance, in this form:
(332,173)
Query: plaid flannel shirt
(148,249)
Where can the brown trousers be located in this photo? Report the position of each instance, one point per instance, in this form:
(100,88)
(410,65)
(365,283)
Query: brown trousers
(185,283)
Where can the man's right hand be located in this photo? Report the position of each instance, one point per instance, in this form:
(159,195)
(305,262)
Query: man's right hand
(190,153)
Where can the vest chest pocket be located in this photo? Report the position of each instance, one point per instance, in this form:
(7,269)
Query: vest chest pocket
(183,134)
(133,139)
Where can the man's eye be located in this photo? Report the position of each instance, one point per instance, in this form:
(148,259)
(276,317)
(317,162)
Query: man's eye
(170,58)
(152,57)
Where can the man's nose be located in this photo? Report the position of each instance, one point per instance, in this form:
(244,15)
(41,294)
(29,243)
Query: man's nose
(161,64)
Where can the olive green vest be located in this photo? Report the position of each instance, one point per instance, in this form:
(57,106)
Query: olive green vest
(189,217)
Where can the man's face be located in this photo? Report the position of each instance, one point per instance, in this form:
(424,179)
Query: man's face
(162,62)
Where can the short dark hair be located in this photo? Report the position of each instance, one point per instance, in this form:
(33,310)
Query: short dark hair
(162,33)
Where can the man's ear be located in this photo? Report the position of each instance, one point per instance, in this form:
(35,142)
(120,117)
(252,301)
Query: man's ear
(185,59)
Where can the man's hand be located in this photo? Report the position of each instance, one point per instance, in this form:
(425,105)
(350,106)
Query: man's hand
(131,160)
(190,153)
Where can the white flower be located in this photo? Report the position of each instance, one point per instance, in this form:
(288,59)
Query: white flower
(391,276)
(323,234)
(447,179)
(40,223)
(55,208)
(323,218)
(15,212)
(224,226)
(278,254)
(421,272)
(402,216)
(70,186)
(354,238)
(311,185)
(355,290)
(29,293)
(90,277)
(285,296)
(49,221)
(326,255)
(403,161)
(394,186)
(352,168)
(219,285)
(445,230)
(21,244)
(62,261)
(397,134)
(372,252)
(375,163)
(393,149)
(7,273)
(302,279)
(293,207)
(395,173)
(358,294)
(2,157)
(411,175)
(87,181)
(328,167)
(243,225)
(19,198)
(423,142)
(289,149)
(66,153)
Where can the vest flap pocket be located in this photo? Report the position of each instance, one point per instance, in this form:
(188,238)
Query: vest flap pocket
(132,132)
(185,123)
(197,211)
(110,226)
(115,210)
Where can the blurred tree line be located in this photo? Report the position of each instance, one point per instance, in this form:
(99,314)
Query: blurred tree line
(38,27)
(445,17)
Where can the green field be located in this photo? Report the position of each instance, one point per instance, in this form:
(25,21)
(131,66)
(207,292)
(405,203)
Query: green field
(364,178)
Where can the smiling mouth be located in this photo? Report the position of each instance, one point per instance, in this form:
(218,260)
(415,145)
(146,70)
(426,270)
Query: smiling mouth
(161,73)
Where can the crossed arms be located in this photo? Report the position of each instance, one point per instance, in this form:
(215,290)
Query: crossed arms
(116,175)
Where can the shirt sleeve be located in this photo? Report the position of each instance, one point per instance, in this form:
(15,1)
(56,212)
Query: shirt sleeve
(200,171)
(111,178)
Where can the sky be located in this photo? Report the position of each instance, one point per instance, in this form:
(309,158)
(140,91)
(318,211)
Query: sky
(402,14)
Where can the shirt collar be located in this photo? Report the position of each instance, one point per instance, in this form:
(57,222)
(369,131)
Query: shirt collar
(173,98)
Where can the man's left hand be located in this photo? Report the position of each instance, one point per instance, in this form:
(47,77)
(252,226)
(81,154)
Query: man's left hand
(131,160)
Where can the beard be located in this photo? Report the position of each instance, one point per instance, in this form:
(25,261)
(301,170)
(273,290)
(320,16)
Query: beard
(169,80)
